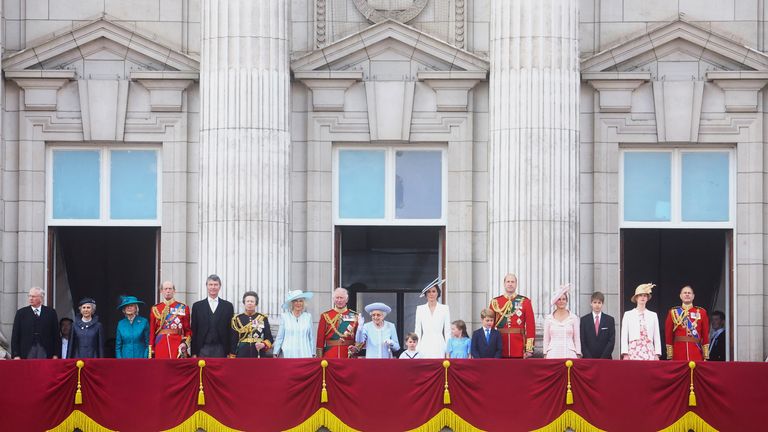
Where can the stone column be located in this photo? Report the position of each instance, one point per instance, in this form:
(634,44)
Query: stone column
(533,158)
(245,149)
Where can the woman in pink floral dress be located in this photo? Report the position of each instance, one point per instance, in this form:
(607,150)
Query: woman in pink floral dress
(640,338)
(561,328)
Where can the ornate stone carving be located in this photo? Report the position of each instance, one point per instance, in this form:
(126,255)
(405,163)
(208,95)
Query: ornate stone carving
(398,10)
(320,23)
(460,22)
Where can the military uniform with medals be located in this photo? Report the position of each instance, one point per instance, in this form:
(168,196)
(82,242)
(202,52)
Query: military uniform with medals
(515,321)
(249,330)
(336,333)
(687,333)
(168,328)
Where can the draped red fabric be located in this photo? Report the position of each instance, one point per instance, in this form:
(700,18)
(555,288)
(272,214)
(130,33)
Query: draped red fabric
(381,395)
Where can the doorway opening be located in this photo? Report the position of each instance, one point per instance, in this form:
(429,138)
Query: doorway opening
(103,263)
(673,258)
(390,265)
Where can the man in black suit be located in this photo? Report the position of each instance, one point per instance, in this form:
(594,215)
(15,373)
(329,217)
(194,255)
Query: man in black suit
(717,337)
(598,330)
(211,320)
(35,330)
(486,341)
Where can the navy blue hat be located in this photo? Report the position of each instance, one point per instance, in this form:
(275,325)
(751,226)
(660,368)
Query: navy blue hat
(86,300)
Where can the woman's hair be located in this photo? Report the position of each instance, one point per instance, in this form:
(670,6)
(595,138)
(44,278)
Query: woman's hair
(412,336)
(461,325)
(251,294)
(93,307)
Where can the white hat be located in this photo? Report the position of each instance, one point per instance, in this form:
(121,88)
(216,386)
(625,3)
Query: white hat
(295,295)
(437,282)
(378,306)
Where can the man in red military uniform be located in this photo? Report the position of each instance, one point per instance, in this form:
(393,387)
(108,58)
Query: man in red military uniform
(337,327)
(687,330)
(514,320)
(169,330)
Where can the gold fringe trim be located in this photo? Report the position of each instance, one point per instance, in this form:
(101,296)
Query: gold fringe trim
(201,420)
(446,419)
(322,418)
(570,419)
(690,421)
(78,420)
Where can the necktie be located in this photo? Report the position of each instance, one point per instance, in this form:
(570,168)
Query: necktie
(37,312)
(597,324)
(487,336)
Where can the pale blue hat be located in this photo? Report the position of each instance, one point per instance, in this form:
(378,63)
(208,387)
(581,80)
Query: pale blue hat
(378,306)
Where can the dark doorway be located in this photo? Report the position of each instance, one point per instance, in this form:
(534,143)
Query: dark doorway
(671,259)
(390,265)
(103,263)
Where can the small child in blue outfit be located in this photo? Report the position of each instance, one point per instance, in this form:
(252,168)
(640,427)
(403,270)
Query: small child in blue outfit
(458,346)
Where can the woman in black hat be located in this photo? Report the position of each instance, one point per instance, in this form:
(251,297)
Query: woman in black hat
(132,331)
(87,338)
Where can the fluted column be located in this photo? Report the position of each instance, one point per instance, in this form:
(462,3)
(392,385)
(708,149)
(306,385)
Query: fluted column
(244,148)
(534,89)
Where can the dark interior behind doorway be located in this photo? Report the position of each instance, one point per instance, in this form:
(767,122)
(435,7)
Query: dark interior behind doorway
(671,259)
(105,263)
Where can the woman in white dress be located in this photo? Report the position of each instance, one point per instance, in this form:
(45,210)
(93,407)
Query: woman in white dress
(561,328)
(433,323)
(296,338)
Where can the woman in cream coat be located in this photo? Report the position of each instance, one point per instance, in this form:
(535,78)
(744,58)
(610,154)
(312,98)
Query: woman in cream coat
(433,323)
(640,338)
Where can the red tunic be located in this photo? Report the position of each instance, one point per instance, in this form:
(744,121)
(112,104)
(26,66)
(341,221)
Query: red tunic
(515,321)
(168,327)
(687,333)
(336,333)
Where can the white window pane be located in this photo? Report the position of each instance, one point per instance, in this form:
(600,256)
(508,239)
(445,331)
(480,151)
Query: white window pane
(705,186)
(418,185)
(361,184)
(76,187)
(647,186)
(133,184)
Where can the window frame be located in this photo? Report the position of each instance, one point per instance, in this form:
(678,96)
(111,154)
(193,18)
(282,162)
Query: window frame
(676,176)
(389,189)
(105,177)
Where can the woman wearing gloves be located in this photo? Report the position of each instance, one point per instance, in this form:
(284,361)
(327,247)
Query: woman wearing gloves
(379,336)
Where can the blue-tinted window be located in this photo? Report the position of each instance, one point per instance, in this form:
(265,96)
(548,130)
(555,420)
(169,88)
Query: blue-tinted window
(418,184)
(705,186)
(647,186)
(361,184)
(76,188)
(133,184)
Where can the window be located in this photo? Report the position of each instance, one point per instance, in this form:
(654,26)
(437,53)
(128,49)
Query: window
(389,186)
(103,186)
(677,187)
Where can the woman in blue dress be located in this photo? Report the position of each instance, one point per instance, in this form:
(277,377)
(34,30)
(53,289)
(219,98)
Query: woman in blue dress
(87,337)
(296,336)
(132,331)
(379,336)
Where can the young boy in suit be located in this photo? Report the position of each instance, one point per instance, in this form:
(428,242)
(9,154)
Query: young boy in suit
(486,341)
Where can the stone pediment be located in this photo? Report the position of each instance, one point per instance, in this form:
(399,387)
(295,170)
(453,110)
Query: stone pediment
(390,50)
(108,46)
(678,50)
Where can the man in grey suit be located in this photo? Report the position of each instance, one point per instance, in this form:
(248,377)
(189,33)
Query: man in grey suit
(598,330)
(211,318)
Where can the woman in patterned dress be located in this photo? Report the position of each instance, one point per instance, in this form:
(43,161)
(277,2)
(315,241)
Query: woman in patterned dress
(640,338)
(561,328)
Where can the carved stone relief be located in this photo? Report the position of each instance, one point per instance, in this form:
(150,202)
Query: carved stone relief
(398,10)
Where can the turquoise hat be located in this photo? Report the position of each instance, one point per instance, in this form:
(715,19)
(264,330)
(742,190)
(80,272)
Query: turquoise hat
(128,300)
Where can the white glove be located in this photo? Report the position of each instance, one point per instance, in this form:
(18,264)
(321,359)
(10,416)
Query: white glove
(360,320)
(389,342)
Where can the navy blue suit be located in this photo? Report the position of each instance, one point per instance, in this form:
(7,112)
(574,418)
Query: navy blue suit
(483,349)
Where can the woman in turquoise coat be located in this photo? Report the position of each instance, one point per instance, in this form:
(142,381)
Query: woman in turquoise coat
(132,331)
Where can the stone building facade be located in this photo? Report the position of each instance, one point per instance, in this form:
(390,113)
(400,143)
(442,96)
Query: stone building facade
(376,144)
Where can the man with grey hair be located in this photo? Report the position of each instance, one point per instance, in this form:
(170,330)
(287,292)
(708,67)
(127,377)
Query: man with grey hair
(35,329)
(337,327)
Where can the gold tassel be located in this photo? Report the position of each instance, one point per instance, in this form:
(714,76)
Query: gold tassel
(201,393)
(446,393)
(79,392)
(569,393)
(692,395)
(324,392)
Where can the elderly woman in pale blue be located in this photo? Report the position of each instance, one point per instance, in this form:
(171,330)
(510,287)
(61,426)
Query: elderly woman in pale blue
(295,338)
(379,336)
